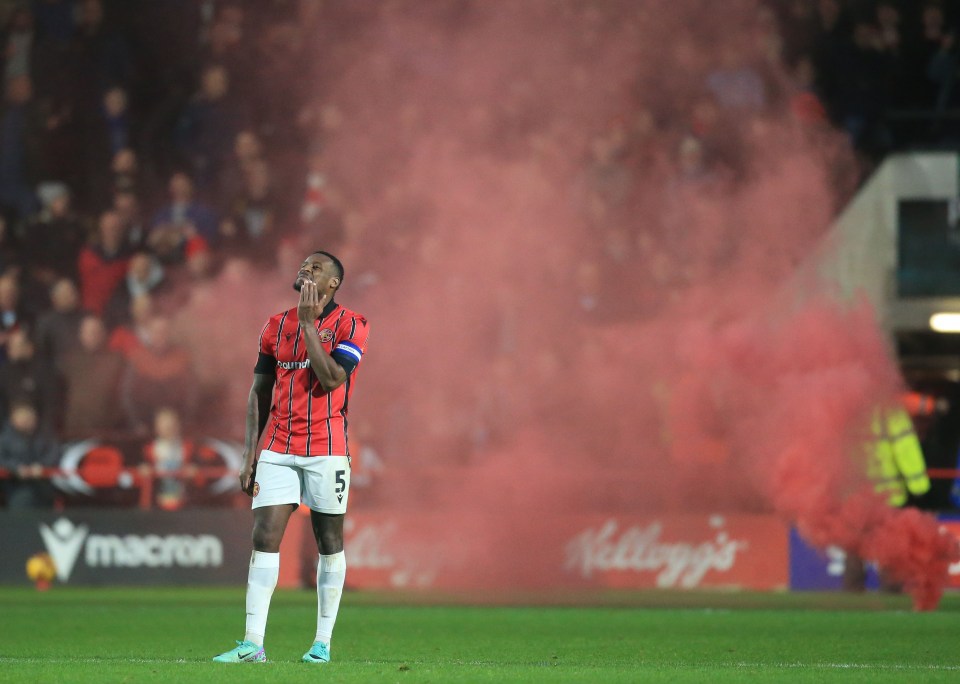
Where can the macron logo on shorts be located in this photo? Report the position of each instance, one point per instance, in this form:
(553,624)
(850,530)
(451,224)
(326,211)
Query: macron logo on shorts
(350,349)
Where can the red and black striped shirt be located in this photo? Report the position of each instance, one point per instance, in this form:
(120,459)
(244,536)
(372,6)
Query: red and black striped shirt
(305,420)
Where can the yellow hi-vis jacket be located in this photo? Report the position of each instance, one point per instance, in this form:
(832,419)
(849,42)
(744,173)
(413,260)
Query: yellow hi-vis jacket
(896,462)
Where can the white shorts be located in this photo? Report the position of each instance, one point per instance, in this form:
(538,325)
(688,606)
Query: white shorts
(321,482)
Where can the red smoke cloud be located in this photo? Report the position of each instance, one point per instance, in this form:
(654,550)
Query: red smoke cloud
(567,312)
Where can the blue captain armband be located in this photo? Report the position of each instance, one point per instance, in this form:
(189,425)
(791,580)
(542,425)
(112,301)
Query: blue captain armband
(348,355)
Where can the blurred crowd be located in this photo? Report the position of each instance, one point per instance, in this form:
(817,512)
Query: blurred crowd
(145,144)
(880,74)
(142,146)
(885,69)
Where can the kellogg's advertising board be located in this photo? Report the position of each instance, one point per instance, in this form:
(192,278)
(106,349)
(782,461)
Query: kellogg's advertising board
(681,552)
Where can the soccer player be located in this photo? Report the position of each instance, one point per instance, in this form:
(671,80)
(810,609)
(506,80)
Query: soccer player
(308,363)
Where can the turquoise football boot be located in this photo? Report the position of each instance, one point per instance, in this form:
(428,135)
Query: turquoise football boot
(318,653)
(245,652)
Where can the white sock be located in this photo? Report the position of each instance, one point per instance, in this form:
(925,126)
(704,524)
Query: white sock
(261,581)
(331,572)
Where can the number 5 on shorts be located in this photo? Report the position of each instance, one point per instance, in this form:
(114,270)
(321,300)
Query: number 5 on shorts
(340,482)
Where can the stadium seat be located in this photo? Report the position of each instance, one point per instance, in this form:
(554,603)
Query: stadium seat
(102,466)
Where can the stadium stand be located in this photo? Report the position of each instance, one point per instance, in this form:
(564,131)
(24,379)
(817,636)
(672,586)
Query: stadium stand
(177,110)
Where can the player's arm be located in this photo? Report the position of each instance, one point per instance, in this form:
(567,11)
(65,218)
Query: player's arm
(258,411)
(330,374)
(258,408)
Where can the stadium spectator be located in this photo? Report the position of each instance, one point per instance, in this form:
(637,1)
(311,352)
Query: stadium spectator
(736,85)
(27,378)
(127,206)
(125,171)
(165,459)
(608,179)
(888,21)
(208,125)
(11,252)
(116,115)
(318,122)
(805,103)
(54,239)
(107,145)
(170,453)
(770,47)
(226,46)
(929,57)
(134,331)
(13,314)
(20,146)
(864,74)
(92,376)
(275,104)
(25,450)
(642,134)
(103,264)
(251,228)
(157,375)
(58,329)
(144,276)
(693,168)
(891,44)
(19,41)
(319,201)
(184,227)
(797,26)
(100,57)
(247,150)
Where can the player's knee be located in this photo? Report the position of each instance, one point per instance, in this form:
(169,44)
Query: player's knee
(266,538)
(330,541)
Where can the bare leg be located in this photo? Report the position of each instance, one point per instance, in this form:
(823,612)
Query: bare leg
(269,523)
(328,531)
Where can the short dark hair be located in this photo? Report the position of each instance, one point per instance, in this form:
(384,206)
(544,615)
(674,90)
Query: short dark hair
(336,263)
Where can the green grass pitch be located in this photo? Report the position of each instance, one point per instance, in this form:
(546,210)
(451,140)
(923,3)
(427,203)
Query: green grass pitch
(169,635)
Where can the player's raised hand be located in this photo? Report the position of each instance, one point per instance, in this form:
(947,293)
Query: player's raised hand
(311,302)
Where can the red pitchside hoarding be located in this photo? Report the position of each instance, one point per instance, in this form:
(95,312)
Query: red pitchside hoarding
(388,550)
(679,552)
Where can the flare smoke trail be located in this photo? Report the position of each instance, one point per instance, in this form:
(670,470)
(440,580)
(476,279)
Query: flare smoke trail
(568,310)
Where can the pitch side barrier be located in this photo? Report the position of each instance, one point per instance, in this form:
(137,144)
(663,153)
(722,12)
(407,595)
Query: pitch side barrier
(211,485)
(116,471)
(96,473)
(140,482)
(395,549)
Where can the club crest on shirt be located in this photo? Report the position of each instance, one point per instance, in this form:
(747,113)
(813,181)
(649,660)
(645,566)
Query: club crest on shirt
(326,335)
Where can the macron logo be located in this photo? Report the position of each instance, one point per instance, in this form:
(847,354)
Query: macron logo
(64,541)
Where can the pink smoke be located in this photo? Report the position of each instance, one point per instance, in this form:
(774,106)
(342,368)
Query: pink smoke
(500,160)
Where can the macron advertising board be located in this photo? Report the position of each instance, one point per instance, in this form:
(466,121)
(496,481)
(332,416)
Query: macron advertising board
(127,547)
